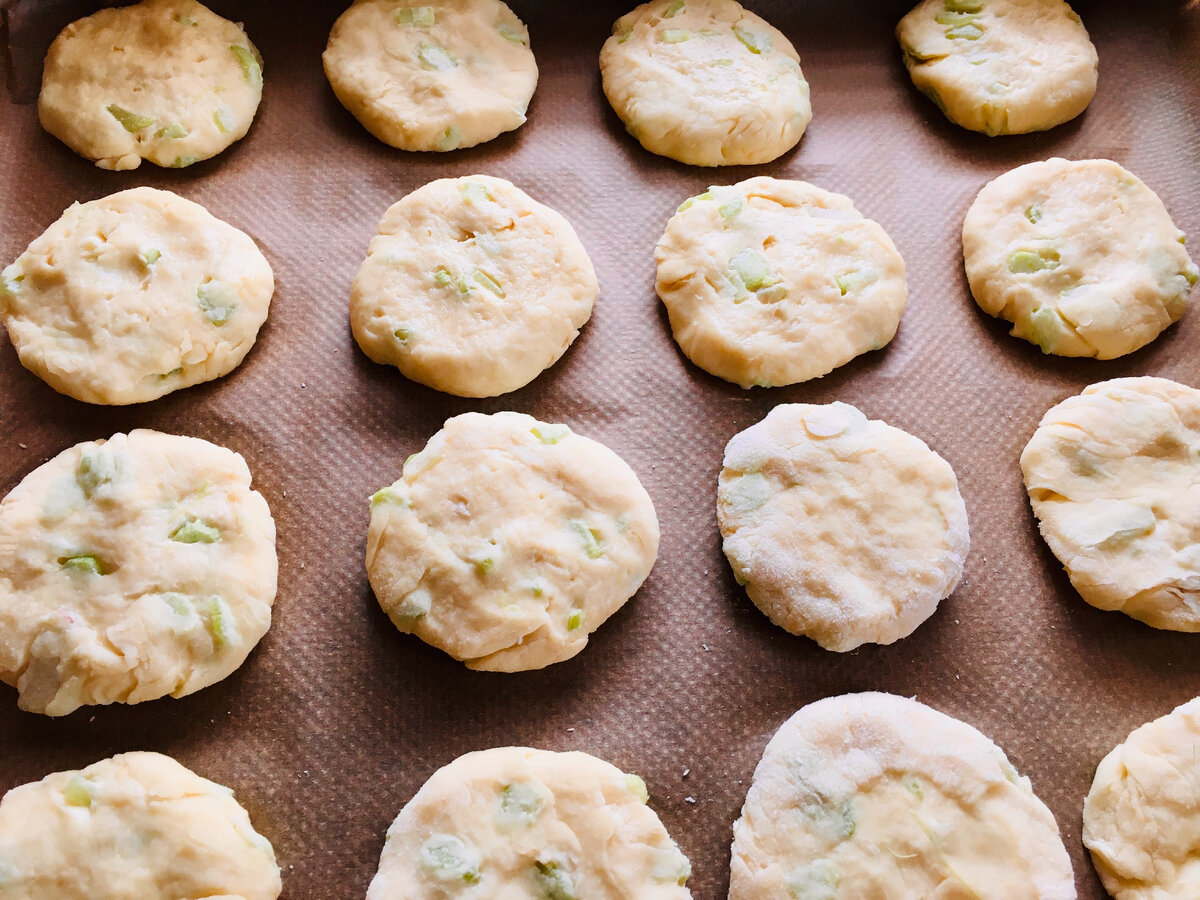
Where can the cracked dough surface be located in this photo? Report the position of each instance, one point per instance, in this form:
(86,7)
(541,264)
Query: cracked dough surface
(130,569)
(138,826)
(771,282)
(432,77)
(705,82)
(842,529)
(507,541)
(1000,66)
(513,823)
(1113,475)
(471,287)
(135,295)
(1141,819)
(873,795)
(163,80)
(1080,256)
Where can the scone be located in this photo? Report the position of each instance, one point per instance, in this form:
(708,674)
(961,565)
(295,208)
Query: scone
(1114,478)
(138,826)
(519,823)
(1080,256)
(771,282)
(471,287)
(163,80)
(705,82)
(130,569)
(132,296)
(438,77)
(874,795)
(507,541)
(1000,66)
(1140,816)
(843,529)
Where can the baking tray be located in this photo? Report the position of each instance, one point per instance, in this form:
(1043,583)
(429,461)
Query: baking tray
(337,719)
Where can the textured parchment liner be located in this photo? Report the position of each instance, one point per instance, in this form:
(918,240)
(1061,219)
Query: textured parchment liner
(336,719)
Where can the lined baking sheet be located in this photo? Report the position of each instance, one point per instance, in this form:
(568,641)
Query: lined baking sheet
(336,719)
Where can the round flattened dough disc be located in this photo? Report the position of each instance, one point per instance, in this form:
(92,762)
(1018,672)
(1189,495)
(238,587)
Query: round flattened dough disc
(132,296)
(1080,256)
(843,529)
(705,82)
(1113,475)
(138,826)
(471,287)
(436,77)
(507,541)
(1141,818)
(1000,66)
(515,822)
(874,795)
(184,85)
(131,569)
(771,282)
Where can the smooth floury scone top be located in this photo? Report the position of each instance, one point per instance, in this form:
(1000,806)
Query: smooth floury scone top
(1113,475)
(513,822)
(471,287)
(842,529)
(438,77)
(705,82)
(135,295)
(1000,66)
(131,569)
(507,541)
(138,826)
(1080,255)
(1141,818)
(770,282)
(874,795)
(163,80)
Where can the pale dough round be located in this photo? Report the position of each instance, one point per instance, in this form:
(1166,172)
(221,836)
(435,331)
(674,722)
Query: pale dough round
(131,569)
(1113,475)
(1000,66)
(507,541)
(438,77)
(705,82)
(1141,819)
(164,80)
(138,826)
(513,823)
(135,295)
(1080,256)
(843,529)
(471,287)
(874,795)
(772,282)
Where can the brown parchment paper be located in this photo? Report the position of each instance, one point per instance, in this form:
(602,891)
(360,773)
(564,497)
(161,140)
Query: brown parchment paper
(337,719)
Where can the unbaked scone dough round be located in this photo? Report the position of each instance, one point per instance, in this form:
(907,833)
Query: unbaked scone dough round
(138,826)
(843,529)
(1000,66)
(438,77)
(513,823)
(874,795)
(135,295)
(507,541)
(1080,256)
(1141,819)
(705,82)
(471,287)
(772,282)
(131,569)
(1113,475)
(163,80)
